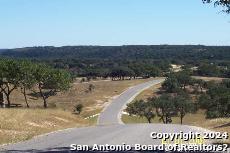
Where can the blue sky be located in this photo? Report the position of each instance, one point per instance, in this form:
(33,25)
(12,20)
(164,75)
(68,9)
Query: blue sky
(111,22)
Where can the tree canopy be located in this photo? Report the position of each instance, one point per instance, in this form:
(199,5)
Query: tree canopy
(25,75)
(142,108)
(222,3)
(216,100)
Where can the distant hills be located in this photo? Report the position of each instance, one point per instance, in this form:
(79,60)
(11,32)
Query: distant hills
(2,50)
(191,52)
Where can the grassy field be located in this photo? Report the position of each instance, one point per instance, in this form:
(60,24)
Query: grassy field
(22,123)
(104,91)
(150,92)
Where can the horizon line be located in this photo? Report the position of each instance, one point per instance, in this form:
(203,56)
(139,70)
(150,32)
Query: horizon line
(56,46)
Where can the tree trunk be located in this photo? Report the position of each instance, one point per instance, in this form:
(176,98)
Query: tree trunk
(149,120)
(45,102)
(24,93)
(43,97)
(162,118)
(181,120)
(8,100)
(7,92)
(163,115)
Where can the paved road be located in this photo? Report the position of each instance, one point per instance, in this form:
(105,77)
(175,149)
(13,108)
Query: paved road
(112,114)
(112,134)
(109,130)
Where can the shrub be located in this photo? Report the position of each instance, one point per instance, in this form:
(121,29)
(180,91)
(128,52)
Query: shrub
(78,109)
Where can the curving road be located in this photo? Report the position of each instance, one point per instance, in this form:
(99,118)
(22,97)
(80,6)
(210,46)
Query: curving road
(112,114)
(110,129)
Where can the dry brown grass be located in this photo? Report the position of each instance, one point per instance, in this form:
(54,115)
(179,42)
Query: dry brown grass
(150,92)
(93,102)
(22,124)
(209,78)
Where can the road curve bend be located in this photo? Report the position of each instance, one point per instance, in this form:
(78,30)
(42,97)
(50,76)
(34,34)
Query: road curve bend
(109,130)
(112,114)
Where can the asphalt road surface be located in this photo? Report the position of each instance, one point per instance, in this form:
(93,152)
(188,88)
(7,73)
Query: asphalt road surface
(112,113)
(110,130)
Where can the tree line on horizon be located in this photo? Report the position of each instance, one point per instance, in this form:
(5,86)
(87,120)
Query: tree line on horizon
(128,61)
(132,52)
